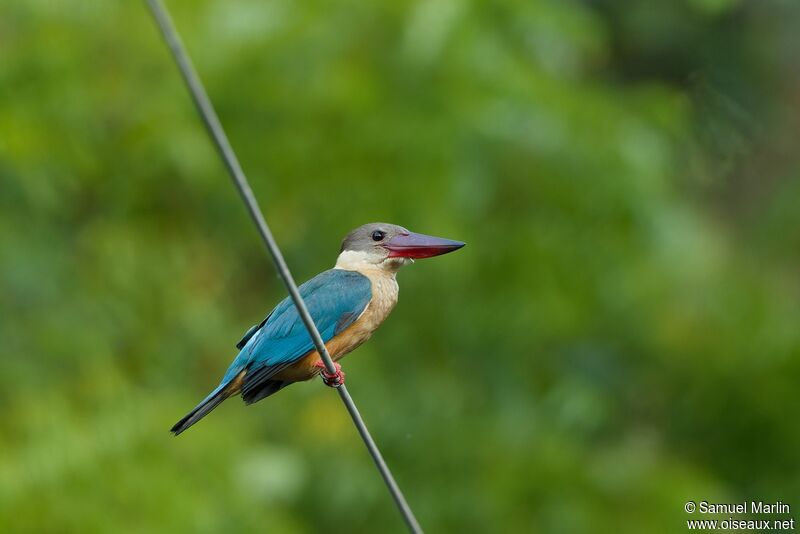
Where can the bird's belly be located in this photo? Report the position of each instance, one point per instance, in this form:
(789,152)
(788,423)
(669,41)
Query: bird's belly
(306,368)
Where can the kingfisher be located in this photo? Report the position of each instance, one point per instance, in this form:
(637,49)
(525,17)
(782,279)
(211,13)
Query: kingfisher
(347,303)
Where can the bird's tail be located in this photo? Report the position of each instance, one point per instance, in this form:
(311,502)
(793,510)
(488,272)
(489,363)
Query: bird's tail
(213,400)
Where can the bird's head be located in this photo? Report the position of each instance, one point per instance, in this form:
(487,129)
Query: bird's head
(389,247)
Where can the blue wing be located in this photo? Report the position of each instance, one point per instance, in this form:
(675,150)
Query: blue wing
(335,299)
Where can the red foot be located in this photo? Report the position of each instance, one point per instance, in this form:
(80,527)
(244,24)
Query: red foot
(333,380)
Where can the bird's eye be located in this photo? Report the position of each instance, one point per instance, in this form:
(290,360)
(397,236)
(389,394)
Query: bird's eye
(377,235)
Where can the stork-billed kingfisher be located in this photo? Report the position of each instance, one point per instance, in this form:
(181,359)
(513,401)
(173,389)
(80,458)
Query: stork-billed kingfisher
(347,303)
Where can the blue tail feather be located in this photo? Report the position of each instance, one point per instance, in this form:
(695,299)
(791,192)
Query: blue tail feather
(213,400)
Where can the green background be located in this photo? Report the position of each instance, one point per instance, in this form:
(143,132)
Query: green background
(619,336)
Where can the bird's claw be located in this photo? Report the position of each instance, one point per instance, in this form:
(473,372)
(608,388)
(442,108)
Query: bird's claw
(333,380)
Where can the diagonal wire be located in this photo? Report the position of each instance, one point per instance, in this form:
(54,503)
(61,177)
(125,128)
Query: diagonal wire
(212,123)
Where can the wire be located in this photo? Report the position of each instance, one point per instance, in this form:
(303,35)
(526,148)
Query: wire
(212,123)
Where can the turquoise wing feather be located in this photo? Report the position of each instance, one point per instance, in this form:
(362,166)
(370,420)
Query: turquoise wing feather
(334,298)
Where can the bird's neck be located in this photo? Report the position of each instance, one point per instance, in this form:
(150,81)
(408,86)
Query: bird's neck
(383,278)
(350,260)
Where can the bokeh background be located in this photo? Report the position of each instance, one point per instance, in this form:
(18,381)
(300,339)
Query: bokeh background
(619,336)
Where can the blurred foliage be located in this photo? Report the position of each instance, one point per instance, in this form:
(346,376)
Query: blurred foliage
(620,335)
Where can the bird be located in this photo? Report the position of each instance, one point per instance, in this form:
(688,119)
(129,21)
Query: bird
(347,304)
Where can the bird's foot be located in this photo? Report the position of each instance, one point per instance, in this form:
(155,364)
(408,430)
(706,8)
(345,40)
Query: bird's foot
(333,380)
